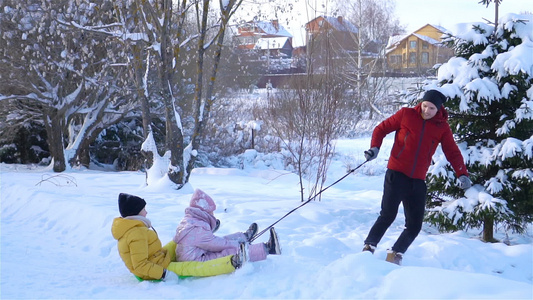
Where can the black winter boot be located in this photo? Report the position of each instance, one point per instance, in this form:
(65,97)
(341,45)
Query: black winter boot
(273,243)
(238,259)
(252,230)
(369,248)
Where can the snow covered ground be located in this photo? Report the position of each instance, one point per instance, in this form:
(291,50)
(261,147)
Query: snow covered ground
(56,239)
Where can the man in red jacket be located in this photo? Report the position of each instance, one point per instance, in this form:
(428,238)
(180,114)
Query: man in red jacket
(419,131)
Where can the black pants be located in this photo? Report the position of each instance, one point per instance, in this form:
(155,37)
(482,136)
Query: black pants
(397,188)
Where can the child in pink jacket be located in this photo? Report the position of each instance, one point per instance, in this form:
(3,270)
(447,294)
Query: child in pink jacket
(197,242)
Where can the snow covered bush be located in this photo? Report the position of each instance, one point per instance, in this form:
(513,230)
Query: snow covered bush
(469,211)
(233,128)
(490,101)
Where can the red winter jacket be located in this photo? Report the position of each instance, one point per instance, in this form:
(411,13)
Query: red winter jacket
(416,140)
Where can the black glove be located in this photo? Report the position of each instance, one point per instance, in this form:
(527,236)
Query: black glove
(169,275)
(371,153)
(464,182)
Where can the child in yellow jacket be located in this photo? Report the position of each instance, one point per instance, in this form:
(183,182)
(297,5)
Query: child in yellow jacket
(142,251)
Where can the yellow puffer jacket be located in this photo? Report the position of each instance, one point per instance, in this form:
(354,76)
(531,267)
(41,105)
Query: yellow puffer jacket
(142,253)
(140,248)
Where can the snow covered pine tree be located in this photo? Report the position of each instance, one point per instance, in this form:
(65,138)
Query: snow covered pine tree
(489,87)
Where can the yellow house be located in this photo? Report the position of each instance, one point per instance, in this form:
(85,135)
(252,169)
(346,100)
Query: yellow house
(418,52)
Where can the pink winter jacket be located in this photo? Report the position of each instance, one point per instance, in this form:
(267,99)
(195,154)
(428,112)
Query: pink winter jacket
(196,241)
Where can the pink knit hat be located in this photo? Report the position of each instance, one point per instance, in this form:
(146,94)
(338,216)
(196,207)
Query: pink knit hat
(202,201)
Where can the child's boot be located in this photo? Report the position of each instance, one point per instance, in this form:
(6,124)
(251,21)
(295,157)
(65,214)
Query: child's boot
(238,259)
(252,230)
(273,244)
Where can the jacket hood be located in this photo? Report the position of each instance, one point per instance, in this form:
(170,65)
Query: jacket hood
(441,116)
(202,201)
(121,226)
(194,217)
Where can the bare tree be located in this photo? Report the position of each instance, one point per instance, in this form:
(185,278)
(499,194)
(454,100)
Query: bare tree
(376,23)
(307,116)
(159,35)
(305,119)
(203,103)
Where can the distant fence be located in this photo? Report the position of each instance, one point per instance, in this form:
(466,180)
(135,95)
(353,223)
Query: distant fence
(279,80)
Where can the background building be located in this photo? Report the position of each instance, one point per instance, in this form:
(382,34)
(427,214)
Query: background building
(417,52)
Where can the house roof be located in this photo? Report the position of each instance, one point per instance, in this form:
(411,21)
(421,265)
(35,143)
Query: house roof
(341,25)
(396,40)
(268,27)
(271,43)
(338,23)
(426,39)
(439,28)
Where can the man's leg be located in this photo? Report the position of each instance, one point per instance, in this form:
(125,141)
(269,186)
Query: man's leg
(390,202)
(414,207)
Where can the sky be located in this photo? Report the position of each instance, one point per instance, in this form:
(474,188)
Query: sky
(417,13)
(412,13)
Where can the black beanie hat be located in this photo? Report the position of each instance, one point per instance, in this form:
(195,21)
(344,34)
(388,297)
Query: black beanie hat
(130,205)
(434,97)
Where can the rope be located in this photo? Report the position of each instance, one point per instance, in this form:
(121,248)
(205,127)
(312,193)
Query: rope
(309,200)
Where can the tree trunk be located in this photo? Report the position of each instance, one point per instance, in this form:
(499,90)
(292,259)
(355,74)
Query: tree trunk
(83,156)
(174,135)
(199,104)
(140,85)
(488,229)
(54,131)
(174,138)
(200,119)
(83,152)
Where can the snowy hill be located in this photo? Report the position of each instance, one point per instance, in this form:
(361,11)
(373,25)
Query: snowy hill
(56,240)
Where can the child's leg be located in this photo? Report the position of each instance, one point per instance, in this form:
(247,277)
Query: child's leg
(202,268)
(171,248)
(257,252)
(237,236)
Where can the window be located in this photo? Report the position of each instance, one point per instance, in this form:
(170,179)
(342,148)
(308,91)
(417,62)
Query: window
(412,58)
(425,45)
(425,58)
(396,59)
(412,44)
